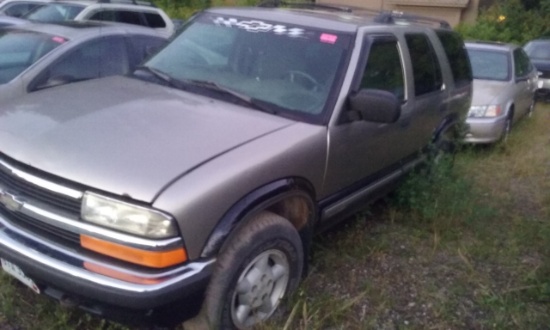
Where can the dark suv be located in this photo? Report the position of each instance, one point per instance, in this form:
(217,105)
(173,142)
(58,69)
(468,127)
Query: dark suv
(539,52)
(197,182)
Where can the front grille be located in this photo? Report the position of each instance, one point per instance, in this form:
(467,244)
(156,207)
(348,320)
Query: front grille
(23,188)
(38,196)
(544,74)
(37,226)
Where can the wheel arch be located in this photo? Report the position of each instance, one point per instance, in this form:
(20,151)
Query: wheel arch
(452,120)
(292,198)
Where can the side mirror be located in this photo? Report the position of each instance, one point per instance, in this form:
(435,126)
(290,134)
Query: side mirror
(375,105)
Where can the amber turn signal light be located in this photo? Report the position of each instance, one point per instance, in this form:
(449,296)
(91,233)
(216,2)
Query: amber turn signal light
(155,259)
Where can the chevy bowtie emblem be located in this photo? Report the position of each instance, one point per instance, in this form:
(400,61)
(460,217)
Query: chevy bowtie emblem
(10,201)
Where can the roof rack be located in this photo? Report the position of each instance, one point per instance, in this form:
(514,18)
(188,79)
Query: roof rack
(304,5)
(396,16)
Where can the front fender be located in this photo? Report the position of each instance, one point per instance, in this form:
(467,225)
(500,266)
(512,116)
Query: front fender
(264,198)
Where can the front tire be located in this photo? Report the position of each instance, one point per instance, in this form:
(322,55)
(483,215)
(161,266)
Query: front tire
(259,265)
(507,129)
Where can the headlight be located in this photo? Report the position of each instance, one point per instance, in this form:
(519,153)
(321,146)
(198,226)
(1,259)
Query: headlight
(485,111)
(126,217)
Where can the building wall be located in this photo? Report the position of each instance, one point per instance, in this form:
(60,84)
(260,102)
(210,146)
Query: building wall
(453,11)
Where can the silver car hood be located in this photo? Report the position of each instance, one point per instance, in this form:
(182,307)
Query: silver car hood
(485,92)
(123,135)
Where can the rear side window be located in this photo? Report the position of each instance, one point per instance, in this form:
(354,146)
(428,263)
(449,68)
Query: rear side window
(458,57)
(122,16)
(154,20)
(426,68)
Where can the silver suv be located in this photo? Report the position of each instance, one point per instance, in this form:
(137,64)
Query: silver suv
(134,12)
(197,183)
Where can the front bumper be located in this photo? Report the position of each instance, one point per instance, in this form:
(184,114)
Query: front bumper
(60,272)
(543,89)
(485,130)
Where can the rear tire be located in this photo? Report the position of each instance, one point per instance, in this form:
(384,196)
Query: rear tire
(259,265)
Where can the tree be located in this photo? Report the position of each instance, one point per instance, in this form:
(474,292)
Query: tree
(510,21)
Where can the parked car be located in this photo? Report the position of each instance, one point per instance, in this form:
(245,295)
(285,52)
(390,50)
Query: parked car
(200,179)
(137,13)
(504,86)
(142,13)
(539,52)
(38,56)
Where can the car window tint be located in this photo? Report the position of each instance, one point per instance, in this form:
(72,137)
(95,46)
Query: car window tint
(384,70)
(458,57)
(99,58)
(538,50)
(426,69)
(129,17)
(121,16)
(104,15)
(154,20)
(521,63)
(489,65)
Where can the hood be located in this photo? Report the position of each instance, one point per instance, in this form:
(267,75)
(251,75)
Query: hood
(125,136)
(486,91)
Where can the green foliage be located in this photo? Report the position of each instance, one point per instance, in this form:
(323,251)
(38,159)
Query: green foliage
(441,198)
(509,21)
(183,9)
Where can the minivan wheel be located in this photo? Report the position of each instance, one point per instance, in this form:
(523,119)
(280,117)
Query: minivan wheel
(531,108)
(507,129)
(259,265)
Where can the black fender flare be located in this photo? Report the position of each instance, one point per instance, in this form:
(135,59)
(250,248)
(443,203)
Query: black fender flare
(447,122)
(260,199)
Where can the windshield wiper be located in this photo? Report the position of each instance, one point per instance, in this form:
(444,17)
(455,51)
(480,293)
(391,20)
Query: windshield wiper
(162,76)
(247,100)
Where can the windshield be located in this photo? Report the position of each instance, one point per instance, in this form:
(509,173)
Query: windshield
(55,13)
(490,65)
(20,49)
(538,50)
(289,67)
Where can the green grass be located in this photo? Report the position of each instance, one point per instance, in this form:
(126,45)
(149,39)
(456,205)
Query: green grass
(466,247)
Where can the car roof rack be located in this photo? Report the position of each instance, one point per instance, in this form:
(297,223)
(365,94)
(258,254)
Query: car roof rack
(396,17)
(302,5)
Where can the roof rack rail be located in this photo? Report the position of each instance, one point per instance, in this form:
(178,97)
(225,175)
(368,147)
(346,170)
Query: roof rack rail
(397,16)
(304,5)
(132,2)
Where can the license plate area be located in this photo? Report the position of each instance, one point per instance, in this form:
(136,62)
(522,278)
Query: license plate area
(16,272)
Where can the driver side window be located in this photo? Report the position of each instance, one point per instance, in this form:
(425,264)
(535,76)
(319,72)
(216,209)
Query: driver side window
(384,70)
